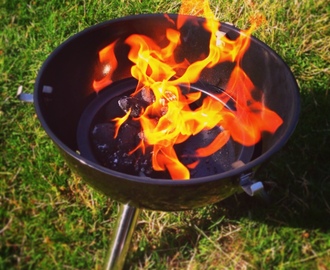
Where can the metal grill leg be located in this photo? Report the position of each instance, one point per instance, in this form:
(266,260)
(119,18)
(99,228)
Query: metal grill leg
(121,238)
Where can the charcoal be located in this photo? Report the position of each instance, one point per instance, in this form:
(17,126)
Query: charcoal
(128,137)
(220,161)
(134,104)
(147,95)
(103,138)
(111,110)
(121,153)
(114,153)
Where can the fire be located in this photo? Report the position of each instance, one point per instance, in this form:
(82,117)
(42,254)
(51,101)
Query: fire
(169,119)
(108,59)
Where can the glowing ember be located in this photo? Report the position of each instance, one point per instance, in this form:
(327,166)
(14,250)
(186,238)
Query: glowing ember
(169,119)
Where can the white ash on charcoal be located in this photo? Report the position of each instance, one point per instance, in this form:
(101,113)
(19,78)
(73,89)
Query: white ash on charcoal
(119,106)
(132,104)
(137,104)
(147,95)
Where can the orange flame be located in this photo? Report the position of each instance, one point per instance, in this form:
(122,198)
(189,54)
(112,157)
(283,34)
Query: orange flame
(169,120)
(108,59)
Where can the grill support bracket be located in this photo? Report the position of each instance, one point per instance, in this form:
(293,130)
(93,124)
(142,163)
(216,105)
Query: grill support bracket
(251,186)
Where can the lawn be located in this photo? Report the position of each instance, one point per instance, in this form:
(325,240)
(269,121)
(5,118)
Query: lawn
(49,219)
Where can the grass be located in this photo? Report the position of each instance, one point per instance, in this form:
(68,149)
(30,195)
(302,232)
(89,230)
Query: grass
(49,219)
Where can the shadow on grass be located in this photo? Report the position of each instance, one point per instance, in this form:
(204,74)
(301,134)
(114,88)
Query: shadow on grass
(297,180)
(298,177)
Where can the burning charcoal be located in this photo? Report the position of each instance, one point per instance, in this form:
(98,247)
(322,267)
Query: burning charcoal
(143,166)
(128,137)
(111,110)
(114,153)
(147,95)
(134,104)
(218,162)
(170,96)
(163,110)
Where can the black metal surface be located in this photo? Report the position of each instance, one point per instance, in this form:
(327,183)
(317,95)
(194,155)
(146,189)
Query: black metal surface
(70,70)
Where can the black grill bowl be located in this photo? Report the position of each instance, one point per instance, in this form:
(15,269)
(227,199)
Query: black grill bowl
(64,89)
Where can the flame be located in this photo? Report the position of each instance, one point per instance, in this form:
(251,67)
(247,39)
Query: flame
(108,59)
(169,119)
(251,117)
